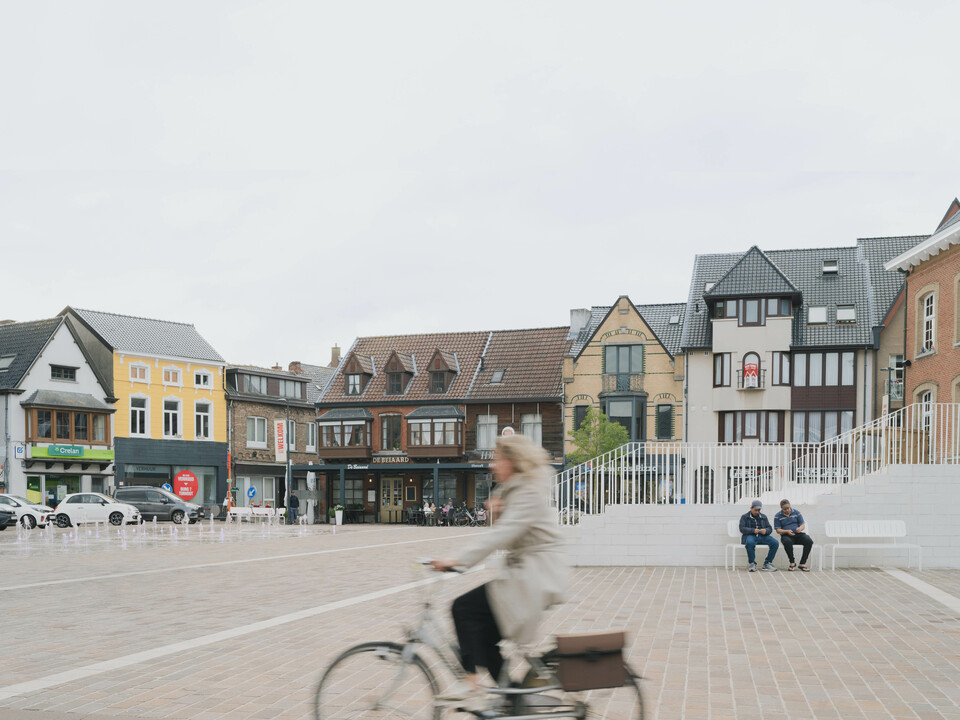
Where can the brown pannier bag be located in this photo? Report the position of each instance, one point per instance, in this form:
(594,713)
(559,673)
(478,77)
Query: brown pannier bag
(589,661)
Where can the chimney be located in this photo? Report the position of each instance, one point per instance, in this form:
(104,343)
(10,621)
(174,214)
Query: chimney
(278,366)
(335,356)
(295,367)
(579,319)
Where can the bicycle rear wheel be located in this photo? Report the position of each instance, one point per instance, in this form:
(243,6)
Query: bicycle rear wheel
(377,680)
(617,703)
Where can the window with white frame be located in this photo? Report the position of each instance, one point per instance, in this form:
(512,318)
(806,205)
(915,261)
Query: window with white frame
(138,416)
(486,432)
(311,437)
(896,377)
(139,372)
(202,379)
(256,432)
(928,325)
(531,425)
(817,315)
(171,418)
(171,376)
(846,313)
(203,420)
(292,435)
(353,384)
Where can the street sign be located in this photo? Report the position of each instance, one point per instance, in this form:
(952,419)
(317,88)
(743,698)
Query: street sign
(186,485)
(168,487)
(19,451)
(251,491)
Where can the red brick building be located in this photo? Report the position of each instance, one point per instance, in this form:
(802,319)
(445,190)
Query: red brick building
(932,297)
(413,418)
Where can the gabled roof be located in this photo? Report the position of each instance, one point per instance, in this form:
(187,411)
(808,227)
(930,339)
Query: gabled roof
(656,316)
(448,359)
(951,216)
(365,362)
(406,362)
(946,236)
(145,336)
(861,280)
(24,341)
(752,275)
(532,361)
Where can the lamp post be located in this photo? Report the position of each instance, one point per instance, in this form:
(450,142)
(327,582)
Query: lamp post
(286,401)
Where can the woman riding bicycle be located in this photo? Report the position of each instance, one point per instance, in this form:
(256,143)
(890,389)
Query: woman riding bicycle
(534,576)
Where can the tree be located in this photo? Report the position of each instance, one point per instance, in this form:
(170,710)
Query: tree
(596,436)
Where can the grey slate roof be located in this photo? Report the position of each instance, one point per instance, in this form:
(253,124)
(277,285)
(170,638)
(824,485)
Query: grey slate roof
(354,413)
(435,411)
(753,274)
(860,280)
(320,376)
(56,398)
(657,317)
(127,333)
(25,341)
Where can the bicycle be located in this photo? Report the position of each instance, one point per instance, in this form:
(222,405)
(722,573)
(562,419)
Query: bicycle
(465,517)
(387,679)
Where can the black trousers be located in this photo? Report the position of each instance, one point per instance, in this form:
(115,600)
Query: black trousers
(477,632)
(799,538)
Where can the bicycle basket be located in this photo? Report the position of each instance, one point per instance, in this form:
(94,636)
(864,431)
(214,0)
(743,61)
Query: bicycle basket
(589,661)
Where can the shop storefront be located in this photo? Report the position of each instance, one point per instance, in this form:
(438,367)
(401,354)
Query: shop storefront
(157,463)
(53,471)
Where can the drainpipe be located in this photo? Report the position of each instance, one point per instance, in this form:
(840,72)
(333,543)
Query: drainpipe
(686,401)
(906,363)
(6,441)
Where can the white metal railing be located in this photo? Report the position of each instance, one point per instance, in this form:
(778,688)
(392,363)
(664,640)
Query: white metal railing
(690,473)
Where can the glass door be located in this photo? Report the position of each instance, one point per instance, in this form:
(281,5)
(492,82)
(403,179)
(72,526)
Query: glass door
(391,500)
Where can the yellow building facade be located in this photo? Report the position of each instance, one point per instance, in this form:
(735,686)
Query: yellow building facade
(625,361)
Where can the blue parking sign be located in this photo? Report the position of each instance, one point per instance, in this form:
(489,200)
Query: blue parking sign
(251,491)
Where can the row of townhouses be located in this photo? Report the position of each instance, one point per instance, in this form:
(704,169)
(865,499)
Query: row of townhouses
(778,346)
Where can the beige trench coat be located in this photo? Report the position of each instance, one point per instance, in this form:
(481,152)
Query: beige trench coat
(536,572)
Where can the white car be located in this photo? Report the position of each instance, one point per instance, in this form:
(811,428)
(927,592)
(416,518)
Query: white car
(79,508)
(29,514)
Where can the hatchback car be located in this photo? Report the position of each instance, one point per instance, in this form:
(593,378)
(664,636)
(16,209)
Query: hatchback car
(78,508)
(29,514)
(7,517)
(153,502)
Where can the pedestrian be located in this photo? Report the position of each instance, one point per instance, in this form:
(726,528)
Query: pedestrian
(791,525)
(294,506)
(755,530)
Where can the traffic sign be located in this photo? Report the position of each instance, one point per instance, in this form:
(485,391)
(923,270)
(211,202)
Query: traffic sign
(168,487)
(251,491)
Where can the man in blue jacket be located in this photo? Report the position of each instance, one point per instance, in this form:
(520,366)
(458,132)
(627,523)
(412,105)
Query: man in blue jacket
(755,529)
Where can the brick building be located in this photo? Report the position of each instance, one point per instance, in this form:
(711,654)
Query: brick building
(257,399)
(932,307)
(413,418)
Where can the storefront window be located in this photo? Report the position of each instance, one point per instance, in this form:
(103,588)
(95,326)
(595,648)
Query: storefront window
(446,487)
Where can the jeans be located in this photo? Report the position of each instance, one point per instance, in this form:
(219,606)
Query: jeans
(799,538)
(293,514)
(751,543)
(477,632)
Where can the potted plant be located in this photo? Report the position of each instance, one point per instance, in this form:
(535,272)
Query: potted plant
(338,510)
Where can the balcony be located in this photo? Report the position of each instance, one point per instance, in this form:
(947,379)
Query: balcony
(623,383)
(342,452)
(756,381)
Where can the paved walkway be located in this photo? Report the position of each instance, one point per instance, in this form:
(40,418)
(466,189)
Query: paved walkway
(239,625)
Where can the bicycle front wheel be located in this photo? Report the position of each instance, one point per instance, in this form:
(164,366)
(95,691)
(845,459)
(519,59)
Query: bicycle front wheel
(377,680)
(618,703)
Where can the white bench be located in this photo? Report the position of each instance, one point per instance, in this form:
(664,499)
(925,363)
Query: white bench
(733,530)
(869,529)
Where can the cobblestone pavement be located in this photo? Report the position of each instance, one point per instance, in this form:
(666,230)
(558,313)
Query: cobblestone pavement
(239,624)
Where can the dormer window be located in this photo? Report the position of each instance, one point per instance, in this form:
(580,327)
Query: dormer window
(353,384)
(829,267)
(254,384)
(394,383)
(357,371)
(438,381)
(400,370)
(443,369)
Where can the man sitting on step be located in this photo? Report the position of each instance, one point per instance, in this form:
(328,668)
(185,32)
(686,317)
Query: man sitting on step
(755,529)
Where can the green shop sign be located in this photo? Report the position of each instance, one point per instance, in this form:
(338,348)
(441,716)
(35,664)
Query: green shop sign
(71,451)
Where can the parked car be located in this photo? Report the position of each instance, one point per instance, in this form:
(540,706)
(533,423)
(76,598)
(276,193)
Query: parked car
(153,502)
(29,514)
(7,517)
(78,508)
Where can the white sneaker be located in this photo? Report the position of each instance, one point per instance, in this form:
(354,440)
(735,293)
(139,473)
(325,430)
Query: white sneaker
(752,568)
(465,696)
(768,567)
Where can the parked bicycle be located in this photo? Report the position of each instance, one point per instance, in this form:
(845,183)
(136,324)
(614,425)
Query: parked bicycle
(386,679)
(474,518)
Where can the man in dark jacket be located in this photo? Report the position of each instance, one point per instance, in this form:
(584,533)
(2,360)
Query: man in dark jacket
(755,529)
(294,506)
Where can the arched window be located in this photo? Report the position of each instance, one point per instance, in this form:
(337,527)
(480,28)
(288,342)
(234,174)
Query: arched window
(751,370)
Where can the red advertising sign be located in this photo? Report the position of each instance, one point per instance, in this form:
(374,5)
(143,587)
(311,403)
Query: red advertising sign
(186,485)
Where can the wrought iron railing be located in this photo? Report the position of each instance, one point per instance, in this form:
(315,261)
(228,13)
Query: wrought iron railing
(632,382)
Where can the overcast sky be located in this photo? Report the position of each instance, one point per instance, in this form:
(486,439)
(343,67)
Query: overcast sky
(290,175)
